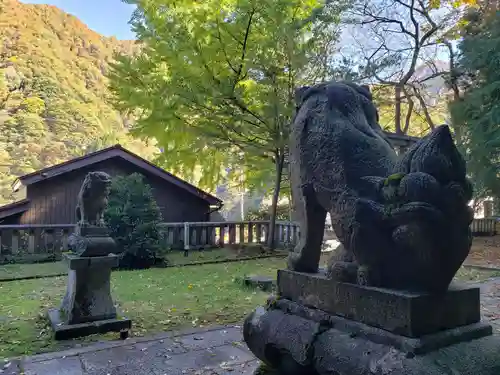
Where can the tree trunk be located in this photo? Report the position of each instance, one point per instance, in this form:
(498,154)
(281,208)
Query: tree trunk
(279,161)
(397,109)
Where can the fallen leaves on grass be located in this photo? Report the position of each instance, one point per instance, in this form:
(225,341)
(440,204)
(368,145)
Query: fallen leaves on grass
(485,251)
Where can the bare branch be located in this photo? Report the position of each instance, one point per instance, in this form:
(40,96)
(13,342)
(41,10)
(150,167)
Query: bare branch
(423,106)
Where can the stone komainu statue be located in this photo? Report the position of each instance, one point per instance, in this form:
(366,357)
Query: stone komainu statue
(403,222)
(93,198)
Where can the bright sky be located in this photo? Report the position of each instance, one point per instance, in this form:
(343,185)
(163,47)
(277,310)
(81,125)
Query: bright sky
(107,17)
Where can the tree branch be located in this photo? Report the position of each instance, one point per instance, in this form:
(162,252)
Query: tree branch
(411,105)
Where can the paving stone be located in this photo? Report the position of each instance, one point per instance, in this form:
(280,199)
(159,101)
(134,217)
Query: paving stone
(109,358)
(79,349)
(61,366)
(210,339)
(10,368)
(199,330)
(161,348)
(129,369)
(241,345)
(202,360)
(490,302)
(247,368)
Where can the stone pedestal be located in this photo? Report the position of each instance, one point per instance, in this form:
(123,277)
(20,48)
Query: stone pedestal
(320,326)
(91,241)
(87,308)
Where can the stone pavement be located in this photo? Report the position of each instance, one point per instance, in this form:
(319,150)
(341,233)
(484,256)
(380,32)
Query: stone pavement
(212,351)
(490,302)
(208,351)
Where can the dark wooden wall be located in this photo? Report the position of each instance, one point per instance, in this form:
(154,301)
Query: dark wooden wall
(11,220)
(54,201)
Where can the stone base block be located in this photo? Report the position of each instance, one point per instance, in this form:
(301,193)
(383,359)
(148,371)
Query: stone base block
(64,331)
(262,282)
(403,313)
(88,293)
(296,340)
(420,345)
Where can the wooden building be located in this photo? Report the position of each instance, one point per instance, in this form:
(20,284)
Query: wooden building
(49,196)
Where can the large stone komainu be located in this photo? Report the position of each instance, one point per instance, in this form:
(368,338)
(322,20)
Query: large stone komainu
(403,222)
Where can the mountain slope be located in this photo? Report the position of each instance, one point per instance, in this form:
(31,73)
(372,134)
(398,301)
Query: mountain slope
(54,101)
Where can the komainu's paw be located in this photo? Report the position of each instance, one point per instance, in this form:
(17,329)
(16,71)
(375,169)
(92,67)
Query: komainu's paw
(365,276)
(342,271)
(368,276)
(299,263)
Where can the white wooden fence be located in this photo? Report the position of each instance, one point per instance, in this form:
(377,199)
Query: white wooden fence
(30,243)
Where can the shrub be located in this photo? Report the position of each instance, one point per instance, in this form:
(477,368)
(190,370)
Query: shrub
(263,213)
(133,217)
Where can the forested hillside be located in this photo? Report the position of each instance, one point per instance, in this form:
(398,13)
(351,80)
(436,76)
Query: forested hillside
(54,101)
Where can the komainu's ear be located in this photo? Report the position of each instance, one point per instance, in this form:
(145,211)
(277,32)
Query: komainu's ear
(299,95)
(367,88)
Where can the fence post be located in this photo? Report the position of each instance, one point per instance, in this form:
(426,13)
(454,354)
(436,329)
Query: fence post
(15,242)
(242,233)
(232,233)
(186,236)
(31,241)
(250,232)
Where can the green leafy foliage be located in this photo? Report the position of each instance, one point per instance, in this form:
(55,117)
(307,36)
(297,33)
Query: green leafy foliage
(54,99)
(262,213)
(133,217)
(221,92)
(476,114)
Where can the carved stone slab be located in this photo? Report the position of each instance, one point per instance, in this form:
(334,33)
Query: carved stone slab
(403,313)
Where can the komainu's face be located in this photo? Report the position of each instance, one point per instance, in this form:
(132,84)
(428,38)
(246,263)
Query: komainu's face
(100,179)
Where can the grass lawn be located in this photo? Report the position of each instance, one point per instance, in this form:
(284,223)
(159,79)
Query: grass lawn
(174,258)
(485,251)
(156,300)
(9,271)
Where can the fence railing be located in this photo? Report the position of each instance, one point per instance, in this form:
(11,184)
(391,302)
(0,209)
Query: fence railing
(31,243)
(483,227)
(28,243)
(219,234)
